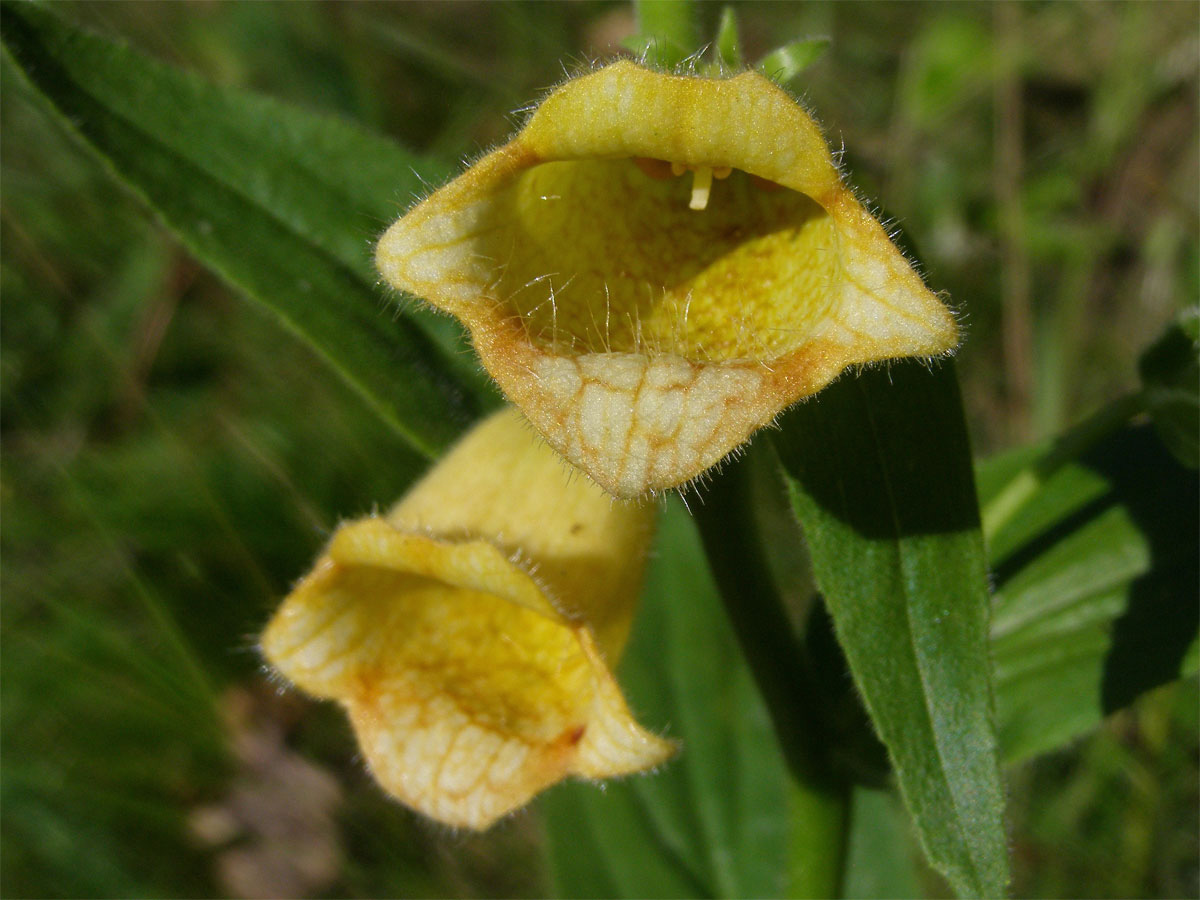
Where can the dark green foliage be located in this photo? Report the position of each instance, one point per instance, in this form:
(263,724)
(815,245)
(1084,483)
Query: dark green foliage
(174,459)
(1170,371)
(1095,588)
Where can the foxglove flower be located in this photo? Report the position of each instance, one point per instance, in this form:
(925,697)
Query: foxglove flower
(469,633)
(657,265)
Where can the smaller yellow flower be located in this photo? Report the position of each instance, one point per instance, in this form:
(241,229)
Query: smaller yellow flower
(469,632)
(657,265)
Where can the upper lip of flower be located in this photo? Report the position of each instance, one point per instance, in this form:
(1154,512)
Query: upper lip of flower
(625,110)
(598,297)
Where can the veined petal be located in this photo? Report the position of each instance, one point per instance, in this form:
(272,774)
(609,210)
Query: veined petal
(647,321)
(475,677)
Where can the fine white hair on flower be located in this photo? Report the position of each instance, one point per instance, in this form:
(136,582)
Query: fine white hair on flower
(650,281)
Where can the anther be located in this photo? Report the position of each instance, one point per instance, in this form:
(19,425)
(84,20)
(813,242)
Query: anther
(702,176)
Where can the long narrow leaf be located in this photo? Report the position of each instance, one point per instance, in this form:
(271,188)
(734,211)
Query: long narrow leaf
(880,475)
(281,203)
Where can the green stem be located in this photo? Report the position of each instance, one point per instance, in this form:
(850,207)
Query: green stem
(820,812)
(666,30)
(731,526)
(1009,501)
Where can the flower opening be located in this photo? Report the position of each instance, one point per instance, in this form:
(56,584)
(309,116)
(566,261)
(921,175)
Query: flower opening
(469,633)
(657,265)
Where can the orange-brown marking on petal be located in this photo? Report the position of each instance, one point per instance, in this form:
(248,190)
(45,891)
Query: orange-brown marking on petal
(472,685)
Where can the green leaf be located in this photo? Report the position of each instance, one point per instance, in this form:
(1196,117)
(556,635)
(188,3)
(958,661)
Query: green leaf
(281,203)
(1095,587)
(1008,489)
(714,821)
(880,476)
(1170,371)
(785,63)
(1094,541)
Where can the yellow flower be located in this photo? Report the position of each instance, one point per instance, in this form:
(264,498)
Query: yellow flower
(468,633)
(657,265)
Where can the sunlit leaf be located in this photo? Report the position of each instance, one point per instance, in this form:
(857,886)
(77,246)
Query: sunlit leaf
(785,63)
(728,44)
(880,476)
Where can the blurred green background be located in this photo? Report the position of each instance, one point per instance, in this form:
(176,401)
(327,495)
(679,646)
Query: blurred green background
(173,459)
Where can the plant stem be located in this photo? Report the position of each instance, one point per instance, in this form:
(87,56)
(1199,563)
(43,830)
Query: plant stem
(820,834)
(731,526)
(1017,314)
(666,30)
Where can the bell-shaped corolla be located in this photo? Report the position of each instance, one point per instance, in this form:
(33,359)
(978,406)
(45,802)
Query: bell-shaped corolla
(657,265)
(469,633)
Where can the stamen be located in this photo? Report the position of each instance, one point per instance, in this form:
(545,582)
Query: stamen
(701,186)
(702,176)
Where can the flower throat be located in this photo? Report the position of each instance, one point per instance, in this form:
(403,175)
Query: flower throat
(619,255)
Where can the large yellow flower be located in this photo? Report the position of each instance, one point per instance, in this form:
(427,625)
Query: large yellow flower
(657,265)
(469,632)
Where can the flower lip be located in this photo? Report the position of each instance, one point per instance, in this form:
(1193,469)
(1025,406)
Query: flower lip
(648,325)
(472,565)
(467,691)
(625,110)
